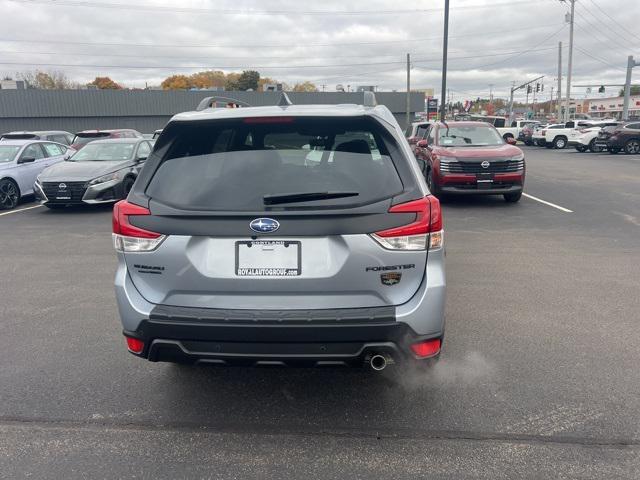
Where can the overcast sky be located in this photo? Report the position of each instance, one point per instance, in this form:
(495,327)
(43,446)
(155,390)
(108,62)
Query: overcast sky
(329,42)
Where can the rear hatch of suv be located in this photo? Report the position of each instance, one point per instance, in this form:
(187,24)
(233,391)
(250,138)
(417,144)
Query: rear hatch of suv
(279,213)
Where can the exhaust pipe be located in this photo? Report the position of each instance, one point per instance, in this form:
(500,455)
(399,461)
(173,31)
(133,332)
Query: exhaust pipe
(378,362)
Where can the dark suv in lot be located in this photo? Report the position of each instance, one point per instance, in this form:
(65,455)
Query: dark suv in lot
(289,235)
(622,138)
(86,136)
(472,158)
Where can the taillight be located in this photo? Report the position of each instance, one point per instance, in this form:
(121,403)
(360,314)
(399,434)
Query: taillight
(543,132)
(128,237)
(426,349)
(134,345)
(424,232)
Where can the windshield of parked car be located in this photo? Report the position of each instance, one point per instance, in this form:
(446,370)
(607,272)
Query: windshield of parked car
(469,136)
(8,152)
(96,152)
(84,139)
(257,164)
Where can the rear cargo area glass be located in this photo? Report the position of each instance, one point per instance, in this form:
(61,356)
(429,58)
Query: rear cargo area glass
(232,165)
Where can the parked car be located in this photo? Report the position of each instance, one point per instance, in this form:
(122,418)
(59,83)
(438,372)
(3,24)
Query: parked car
(539,135)
(233,248)
(86,136)
(57,136)
(472,158)
(585,138)
(602,140)
(558,137)
(102,172)
(624,138)
(20,163)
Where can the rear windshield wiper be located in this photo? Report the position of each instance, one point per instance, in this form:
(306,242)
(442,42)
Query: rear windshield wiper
(305,197)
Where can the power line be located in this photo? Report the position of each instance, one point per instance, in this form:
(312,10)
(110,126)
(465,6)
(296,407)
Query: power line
(615,40)
(379,42)
(584,52)
(212,11)
(613,20)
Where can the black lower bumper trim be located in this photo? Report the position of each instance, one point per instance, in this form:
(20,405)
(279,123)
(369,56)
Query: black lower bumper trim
(338,337)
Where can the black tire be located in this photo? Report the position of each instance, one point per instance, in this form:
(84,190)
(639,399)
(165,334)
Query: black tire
(581,148)
(541,143)
(512,197)
(9,194)
(632,147)
(127,184)
(560,142)
(54,206)
(593,148)
(433,187)
(528,143)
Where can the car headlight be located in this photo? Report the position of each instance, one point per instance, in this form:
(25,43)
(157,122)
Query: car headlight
(38,182)
(107,178)
(517,158)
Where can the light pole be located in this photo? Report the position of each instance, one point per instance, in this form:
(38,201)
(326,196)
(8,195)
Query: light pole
(445,44)
(627,87)
(570,60)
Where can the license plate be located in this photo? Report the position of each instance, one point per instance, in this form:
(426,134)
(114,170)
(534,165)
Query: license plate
(484,184)
(63,197)
(268,258)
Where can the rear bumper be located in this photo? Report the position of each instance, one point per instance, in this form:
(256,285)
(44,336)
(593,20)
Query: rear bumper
(307,338)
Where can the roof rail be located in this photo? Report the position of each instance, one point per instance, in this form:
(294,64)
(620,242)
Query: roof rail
(231,103)
(284,101)
(370,99)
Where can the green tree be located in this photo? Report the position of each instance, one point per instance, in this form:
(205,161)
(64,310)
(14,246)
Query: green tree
(248,80)
(231,81)
(635,90)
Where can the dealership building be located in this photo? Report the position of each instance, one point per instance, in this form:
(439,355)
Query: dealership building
(148,110)
(610,107)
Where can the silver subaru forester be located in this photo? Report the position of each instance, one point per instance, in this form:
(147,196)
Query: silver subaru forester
(288,235)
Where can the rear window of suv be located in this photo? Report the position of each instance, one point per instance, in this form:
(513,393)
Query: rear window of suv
(232,165)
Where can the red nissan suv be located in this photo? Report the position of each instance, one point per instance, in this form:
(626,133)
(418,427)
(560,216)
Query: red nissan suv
(471,158)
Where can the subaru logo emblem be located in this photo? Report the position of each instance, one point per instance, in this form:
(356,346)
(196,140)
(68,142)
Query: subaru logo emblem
(264,225)
(485,164)
(62,186)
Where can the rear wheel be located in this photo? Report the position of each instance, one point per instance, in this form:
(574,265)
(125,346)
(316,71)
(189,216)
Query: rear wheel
(433,187)
(593,147)
(9,194)
(559,142)
(632,146)
(512,197)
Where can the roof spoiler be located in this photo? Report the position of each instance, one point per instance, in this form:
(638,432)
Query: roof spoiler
(208,102)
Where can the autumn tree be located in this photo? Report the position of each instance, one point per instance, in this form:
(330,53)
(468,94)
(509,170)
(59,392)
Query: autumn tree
(248,80)
(176,82)
(105,83)
(305,87)
(208,79)
(231,81)
(53,80)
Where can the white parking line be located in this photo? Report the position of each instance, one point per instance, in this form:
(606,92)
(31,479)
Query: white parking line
(18,211)
(562,209)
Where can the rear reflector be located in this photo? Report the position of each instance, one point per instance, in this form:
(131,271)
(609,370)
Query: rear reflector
(128,237)
(425,349)
(417,234)
(134,345)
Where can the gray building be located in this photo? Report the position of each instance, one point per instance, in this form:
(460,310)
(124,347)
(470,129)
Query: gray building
(148,110)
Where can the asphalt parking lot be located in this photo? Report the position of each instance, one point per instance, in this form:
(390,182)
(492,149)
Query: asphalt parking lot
(538,379)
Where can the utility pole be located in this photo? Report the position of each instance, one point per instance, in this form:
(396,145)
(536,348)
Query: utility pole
(491,93)
(569,64)
(627,87)
(445,45)
(559,92)
(408,90)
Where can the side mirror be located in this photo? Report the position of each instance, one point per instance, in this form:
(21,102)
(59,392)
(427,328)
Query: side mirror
(141,159)
(27,160)
(511,141)
(423,143)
